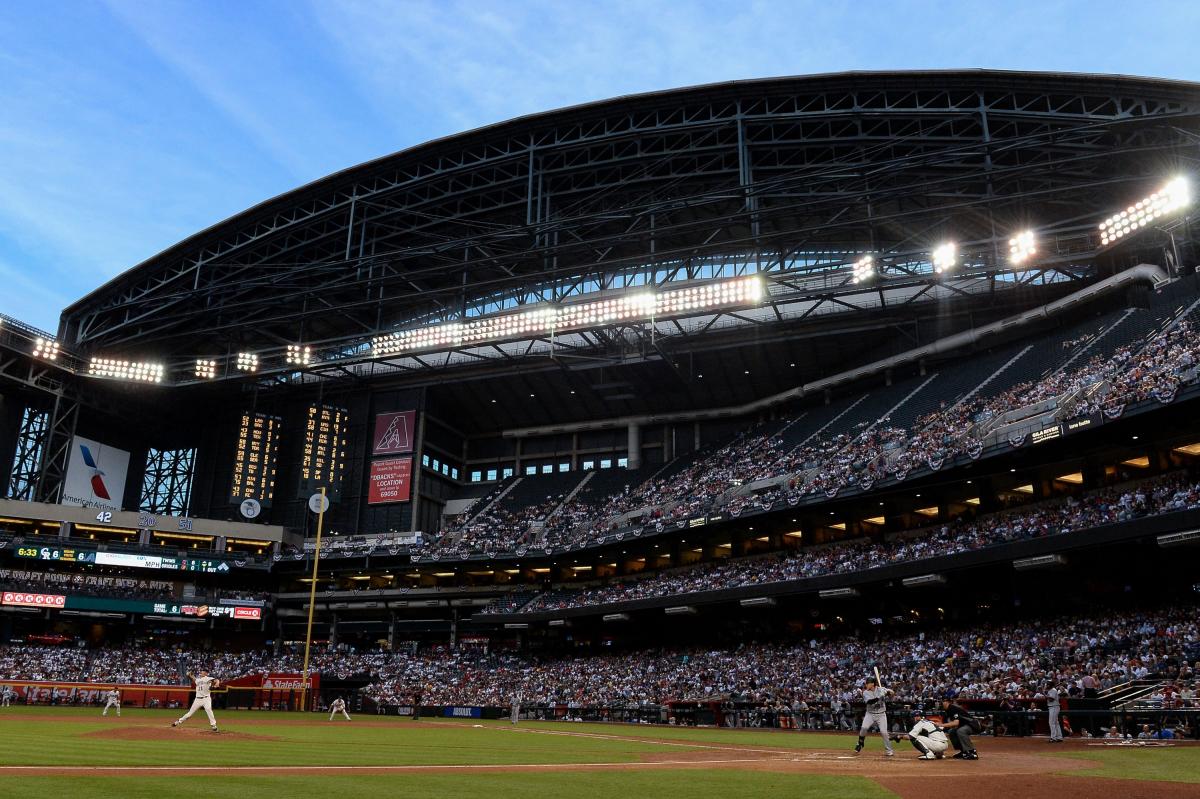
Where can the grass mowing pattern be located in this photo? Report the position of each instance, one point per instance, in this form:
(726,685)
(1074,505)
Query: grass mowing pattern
(77,738)
(699,784)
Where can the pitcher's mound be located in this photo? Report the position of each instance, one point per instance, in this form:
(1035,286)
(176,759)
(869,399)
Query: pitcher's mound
(145,733)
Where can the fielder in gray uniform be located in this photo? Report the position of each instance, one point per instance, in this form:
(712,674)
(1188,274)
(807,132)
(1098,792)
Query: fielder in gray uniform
(516,709)
(1054,705)
(875,716)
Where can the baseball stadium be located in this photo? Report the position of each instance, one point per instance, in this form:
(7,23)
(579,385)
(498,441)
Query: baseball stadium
(811,436)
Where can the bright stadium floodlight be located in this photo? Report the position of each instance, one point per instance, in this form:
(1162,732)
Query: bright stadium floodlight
(46,349)
(206,369)
(247,362)
(298,354)
(137,371)
(1170,198)
(551,320)
(864,269)
(1021,247)
(945,257)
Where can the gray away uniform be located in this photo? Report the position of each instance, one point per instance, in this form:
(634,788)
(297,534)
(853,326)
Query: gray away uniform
(875,715)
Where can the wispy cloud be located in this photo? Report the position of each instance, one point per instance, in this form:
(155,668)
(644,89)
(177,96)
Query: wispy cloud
(126,126)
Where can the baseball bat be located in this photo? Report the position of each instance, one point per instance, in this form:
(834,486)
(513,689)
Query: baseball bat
(877,680)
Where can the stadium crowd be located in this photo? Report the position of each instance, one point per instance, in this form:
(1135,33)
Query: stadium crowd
(1162,495)
(1016,661)
(829,463)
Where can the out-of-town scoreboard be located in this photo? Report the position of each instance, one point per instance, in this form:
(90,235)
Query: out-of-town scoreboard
(255,458)
(324,458)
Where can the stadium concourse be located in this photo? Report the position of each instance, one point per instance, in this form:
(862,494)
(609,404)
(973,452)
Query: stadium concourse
(697,409)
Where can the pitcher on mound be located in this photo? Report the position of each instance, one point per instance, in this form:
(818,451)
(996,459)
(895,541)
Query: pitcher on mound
(204,686)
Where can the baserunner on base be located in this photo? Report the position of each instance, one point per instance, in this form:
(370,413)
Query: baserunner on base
(204,686)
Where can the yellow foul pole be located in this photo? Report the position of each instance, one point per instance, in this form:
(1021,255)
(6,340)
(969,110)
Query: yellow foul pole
(312,601)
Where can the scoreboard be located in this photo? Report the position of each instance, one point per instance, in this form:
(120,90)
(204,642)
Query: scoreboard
(324,457)
(255,457)
(59,554)
(127,559)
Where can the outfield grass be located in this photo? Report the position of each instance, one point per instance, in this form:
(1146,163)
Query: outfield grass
(645,784)
(53,737)
(1173,764)
(74,737)
(79,737)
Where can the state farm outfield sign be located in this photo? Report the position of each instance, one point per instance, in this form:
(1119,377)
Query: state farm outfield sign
(23,600)
(286,682)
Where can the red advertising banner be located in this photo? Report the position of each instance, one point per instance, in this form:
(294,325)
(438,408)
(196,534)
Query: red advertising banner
(225,611)
(393,433)
(24,600)
(391,481)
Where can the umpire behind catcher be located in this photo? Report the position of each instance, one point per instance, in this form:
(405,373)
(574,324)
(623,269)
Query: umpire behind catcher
(960,725)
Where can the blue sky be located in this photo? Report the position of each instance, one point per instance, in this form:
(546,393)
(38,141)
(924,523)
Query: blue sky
(126,126)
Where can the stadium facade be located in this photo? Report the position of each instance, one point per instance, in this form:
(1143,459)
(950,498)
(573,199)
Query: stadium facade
(655,333)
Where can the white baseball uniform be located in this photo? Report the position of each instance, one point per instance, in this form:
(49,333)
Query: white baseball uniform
(516,709)
(338,706)
(928,739)
(203,700)
(1054,705)
(6,696)
(113,699)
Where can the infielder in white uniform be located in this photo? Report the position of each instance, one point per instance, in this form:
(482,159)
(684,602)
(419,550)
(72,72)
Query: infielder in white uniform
(926,738)
(204,685)
(338,706)
(6,696)
(1054,705)
(875,716)
(113,699)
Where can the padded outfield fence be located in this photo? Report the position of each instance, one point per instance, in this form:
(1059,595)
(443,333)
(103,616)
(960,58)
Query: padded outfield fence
(286,695)
(1024,722)
(233,697)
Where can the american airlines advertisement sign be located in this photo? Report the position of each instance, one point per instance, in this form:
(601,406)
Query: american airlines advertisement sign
(95,475)
(393,433)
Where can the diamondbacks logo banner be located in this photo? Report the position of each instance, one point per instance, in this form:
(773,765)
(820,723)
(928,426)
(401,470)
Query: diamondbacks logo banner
(394,433)
(95,475)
